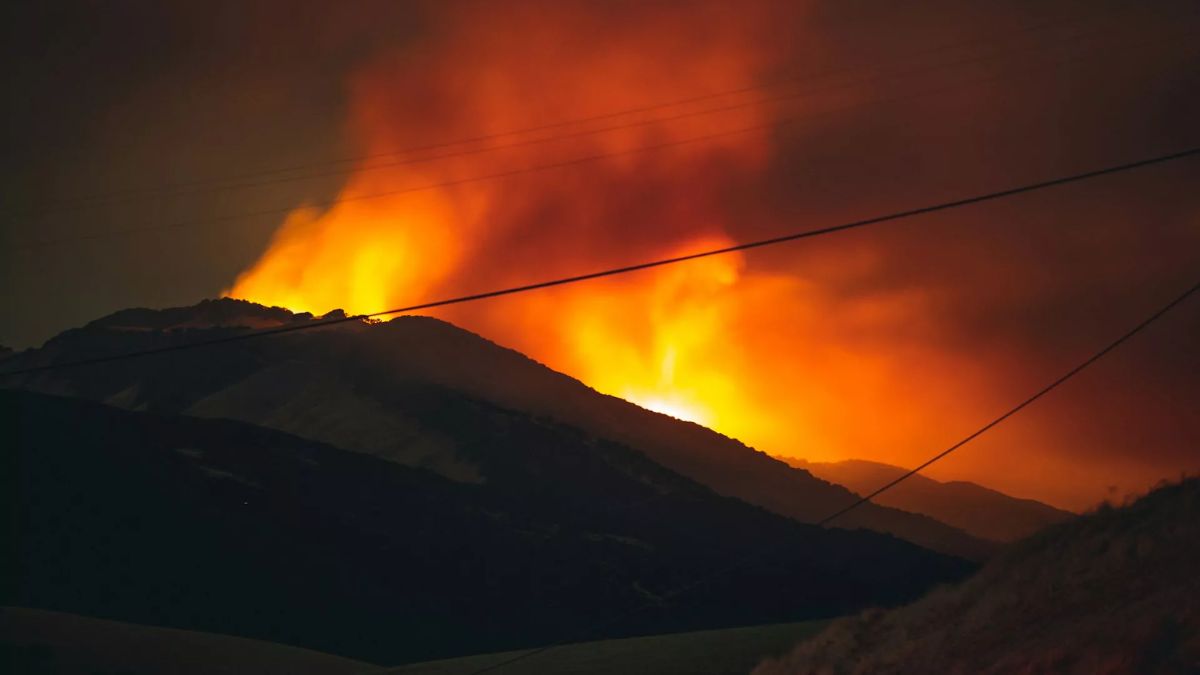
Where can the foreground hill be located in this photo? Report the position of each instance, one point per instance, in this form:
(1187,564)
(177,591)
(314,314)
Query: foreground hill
(1112,592)
(34,641)
(221,526)
(981,511)
(351,386)
(38,641)
(732,651)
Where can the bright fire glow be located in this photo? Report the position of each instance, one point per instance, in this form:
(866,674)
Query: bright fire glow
(704,341)
(661,338)
(778,360)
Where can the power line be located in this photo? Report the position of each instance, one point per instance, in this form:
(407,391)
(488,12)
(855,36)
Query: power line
(221,184)
(1104,351)
(576,161)
(795,236)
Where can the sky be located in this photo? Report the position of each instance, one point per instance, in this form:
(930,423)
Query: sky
(649,129)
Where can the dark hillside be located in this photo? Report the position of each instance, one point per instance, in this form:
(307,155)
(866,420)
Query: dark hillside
(350,386)
(221,526)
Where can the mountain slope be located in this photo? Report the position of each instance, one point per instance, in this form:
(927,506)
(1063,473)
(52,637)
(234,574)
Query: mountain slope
(1112,592)
(346,385)
(220,526)
(981,511)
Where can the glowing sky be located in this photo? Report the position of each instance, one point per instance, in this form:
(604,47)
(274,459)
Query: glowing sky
(886,344)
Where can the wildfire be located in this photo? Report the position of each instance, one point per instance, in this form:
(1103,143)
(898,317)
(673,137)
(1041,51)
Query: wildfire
(659,341)
(753,354)
(654,339)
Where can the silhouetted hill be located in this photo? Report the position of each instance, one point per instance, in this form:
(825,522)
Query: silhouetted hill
(981,511)
(346,385)
(221,526)
(1112,592)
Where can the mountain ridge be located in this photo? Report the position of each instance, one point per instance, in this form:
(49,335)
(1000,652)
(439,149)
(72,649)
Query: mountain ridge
(980,510)
(371,363)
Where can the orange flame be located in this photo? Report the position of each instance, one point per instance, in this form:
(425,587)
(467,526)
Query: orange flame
(648,339)
(759,356)
(837,356)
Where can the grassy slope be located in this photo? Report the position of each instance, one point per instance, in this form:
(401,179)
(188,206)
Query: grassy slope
(1112,592)
(40,641)
(709,652)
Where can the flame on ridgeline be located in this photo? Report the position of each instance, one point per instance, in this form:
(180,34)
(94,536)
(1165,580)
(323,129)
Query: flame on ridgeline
(641,338)
(752,354)
(881,344)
